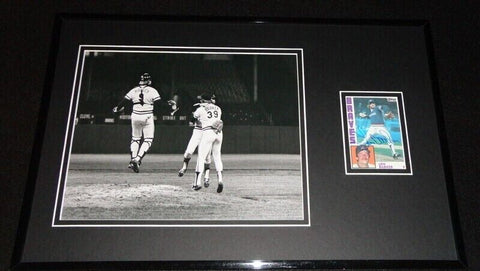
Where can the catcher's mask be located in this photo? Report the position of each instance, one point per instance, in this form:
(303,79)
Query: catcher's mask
(145,79)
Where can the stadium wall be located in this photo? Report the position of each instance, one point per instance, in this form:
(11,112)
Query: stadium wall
(174,139)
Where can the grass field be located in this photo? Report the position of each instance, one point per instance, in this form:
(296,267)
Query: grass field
(384,154)
(256,187)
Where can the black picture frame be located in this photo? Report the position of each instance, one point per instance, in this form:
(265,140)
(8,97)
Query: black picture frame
(389,36)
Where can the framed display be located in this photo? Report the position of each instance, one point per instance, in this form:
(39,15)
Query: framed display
(239,143)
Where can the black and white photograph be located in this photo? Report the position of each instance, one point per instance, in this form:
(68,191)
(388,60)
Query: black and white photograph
(166,136)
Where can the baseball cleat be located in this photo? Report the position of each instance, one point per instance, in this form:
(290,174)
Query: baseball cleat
(220,188)
(395,155)
(196,187)
(206,182)
(134,166)
(181,172)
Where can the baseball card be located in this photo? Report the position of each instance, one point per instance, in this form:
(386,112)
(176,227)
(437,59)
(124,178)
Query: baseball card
(375,134)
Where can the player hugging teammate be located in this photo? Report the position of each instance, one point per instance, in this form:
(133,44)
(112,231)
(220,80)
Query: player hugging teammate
(143,98)
(195,141)
(208,136)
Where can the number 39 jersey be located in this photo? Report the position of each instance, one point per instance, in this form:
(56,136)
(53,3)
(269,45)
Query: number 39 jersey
(207,115)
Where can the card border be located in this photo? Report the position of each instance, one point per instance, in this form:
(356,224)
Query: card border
(407,144)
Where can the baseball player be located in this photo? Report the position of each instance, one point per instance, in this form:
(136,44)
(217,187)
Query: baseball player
(194,142)
(377,125)
(143,98)
(210,116)
(362,157)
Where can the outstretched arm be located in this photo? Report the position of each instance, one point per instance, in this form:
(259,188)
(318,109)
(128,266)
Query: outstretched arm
(389,115)
(170,104)
(173,105)
(121,106)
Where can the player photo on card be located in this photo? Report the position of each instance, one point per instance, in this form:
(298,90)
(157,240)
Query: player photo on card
(375,133)
(178,136)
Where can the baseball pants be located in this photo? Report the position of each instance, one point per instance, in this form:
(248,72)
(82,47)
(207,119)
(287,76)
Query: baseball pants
(377,129)
(211,143)
(142,125)
(194,143)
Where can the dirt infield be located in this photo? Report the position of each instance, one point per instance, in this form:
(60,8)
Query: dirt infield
(256,187)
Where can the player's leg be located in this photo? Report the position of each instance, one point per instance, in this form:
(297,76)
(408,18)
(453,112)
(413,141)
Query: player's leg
(148,133)
(192,145)
(206,180)
(136,141)
(135,146)
(200,166)
(203,149)
(146,144)
(385,133)
(370,132)
(217,158)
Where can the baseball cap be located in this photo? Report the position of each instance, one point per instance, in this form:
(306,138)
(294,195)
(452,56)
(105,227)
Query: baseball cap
(362,148)
(205,96)
(371,101)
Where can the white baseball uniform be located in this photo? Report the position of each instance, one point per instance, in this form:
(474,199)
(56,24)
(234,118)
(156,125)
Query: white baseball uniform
(196,138)
(211,138)
(377,126)
(143,98)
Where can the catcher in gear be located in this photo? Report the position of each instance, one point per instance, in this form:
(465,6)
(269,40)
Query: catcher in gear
(143,98)
(377,125)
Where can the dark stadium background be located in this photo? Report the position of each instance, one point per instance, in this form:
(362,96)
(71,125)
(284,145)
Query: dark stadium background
(258,95)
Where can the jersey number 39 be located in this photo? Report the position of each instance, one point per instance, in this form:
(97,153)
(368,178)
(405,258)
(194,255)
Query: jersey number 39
(211,114)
